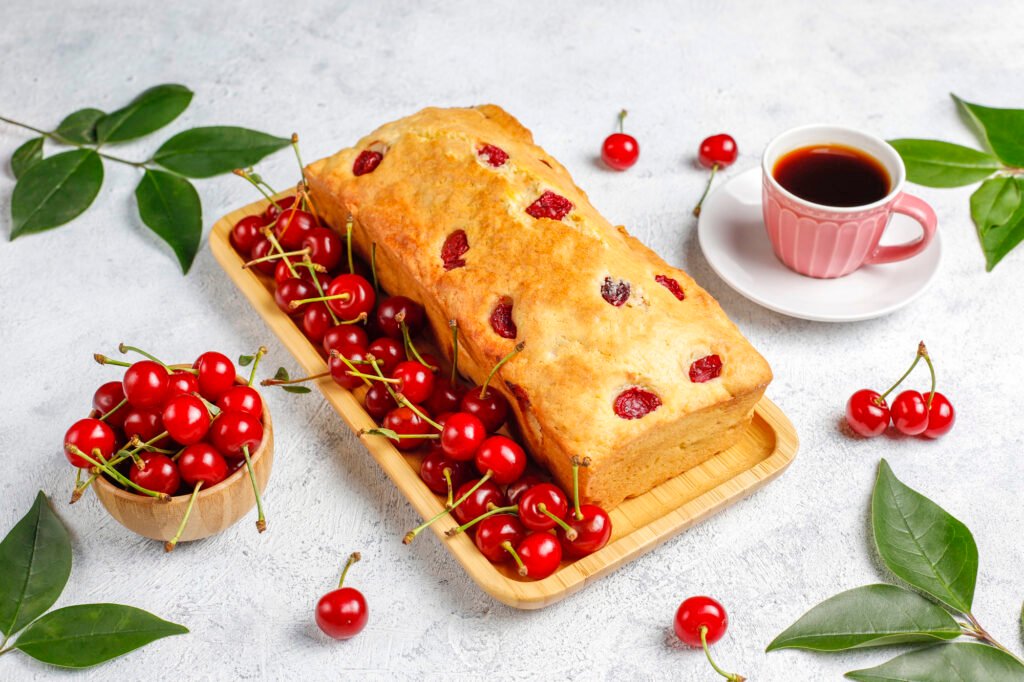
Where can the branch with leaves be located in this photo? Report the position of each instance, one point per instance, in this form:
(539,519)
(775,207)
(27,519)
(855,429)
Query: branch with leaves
(35,563)
(53,190)
(997,206)
(934,553)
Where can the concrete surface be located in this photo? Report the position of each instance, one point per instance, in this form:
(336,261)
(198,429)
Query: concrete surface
(334,70)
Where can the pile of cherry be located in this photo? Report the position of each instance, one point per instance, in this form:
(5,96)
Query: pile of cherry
(164,431)
(371,340)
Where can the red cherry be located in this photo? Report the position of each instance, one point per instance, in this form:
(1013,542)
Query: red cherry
(160,474)
(341,373)
(718,150)
(244,235)
(696,613)
(325,247)
(316,320)
(910,413)
(432,472)
(515,489)
(242,399)
(941,416)
(867,413)
(216,374)
(356,296)
(389,309)
(388,353)
(493,532)
(445,398)
(495,157)
(454,248)
(231,431)
(145,384)
(378,401)
(275,208)
(620,151)
(346,338)
(462,435)
(405,422)
(182,382)
(291,290)
(592,531)
(343,613)
(106,398)
(186,419)
(502,458)
(415,381)
(547,496)
(550,205)
(705,369)
(201,462)
(89,435)
(285,269)
(635,402)
(262,248)
(366,162)
(491,409)
(479,501)
(292,227)
(146,424)
(540,555)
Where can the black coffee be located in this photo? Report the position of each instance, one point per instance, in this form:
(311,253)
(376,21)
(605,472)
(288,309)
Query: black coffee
(832,175)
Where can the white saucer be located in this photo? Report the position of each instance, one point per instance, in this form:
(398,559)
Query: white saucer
(734,241)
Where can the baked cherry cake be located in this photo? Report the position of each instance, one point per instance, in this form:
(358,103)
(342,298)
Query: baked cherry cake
(625,359)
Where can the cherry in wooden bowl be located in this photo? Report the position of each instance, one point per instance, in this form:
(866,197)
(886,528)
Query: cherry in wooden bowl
(216,508)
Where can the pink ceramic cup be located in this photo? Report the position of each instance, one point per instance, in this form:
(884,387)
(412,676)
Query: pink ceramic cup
(830,241)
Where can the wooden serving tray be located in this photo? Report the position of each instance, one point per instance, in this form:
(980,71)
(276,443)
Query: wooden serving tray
(639,524)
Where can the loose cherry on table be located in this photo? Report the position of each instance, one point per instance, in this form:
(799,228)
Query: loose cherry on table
(717,151)
(343,613)
(701,621)
(620,151)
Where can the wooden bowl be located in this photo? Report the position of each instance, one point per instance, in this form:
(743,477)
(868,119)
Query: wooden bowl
(216,508)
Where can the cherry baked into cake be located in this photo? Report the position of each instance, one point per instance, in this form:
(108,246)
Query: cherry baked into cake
(625,359)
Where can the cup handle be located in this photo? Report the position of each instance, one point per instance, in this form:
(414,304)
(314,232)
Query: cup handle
(923,214)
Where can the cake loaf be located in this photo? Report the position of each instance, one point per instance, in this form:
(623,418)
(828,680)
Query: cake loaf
(626,360)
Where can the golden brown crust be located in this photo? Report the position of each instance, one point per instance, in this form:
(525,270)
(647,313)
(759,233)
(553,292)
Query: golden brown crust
(580,351)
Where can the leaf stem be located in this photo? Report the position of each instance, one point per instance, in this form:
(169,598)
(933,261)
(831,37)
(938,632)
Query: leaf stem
(57,138)
(978,632)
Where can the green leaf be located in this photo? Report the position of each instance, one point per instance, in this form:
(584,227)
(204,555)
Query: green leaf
(297,389)
(80,127)
(150,111)
(955,662)
(943,164)
(170,206)
(245,360)
(1002,130)
(26,156)
(204,152)
(55,190)
(997,208)
(281,374)
(87,634)
(1022,623)
(873,615)
(922,543)
(35,562)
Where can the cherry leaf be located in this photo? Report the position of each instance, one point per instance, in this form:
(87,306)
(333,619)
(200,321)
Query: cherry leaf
(80,126)
(55,190)
(1002,130)
(943,164)
(169,205)
(209,151)
(26,156)
(997,208)
(953,662)
(147,113)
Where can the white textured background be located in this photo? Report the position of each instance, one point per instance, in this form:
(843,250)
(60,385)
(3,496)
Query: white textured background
(333,71)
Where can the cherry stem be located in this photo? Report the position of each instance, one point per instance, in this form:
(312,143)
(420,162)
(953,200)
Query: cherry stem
(320,290)
(260,352)
(61,140)
(491,511)
(707,188)
(115,474)
(570,532)
(336,297)
(104,360)
(732,677)
(405,402)
(454,326)
(373,267)
(921,351)
(355,372)
(507,546)
(172,543)
(348,245)
(411,535)
(298,157)
(576,464)
(622,118)
(285,382)
(268,232)
(261,520)
(352,558)
(447,472)
(252,179)
(494,370)
(390,434)
(124,348)
(275,256)
(80,488)
(115,408)
(410,347)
